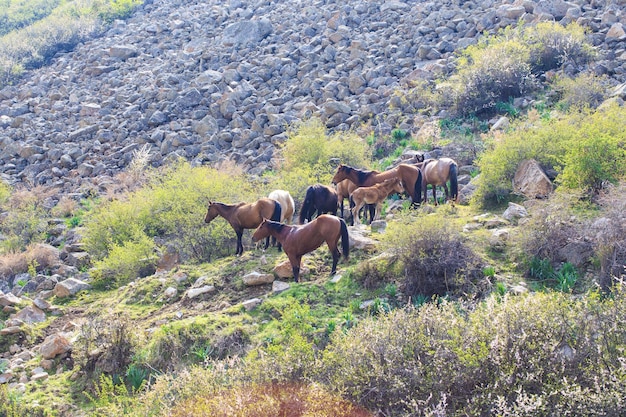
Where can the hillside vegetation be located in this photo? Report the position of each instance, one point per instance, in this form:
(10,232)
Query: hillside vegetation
(32,32)
(440,316)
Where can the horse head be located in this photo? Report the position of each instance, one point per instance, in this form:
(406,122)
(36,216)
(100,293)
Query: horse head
(340,175)
(211,212)
(262,231)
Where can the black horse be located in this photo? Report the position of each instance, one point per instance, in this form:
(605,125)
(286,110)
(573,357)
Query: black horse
(321,198)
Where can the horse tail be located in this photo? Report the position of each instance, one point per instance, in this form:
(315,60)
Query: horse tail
(345,239)
(306,204)
(454,184)
(417,192)
(277,211)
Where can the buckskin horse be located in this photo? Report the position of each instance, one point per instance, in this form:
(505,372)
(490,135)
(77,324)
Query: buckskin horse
(344,189)
(318,197)
(438,172)
(410,175)
(375,194)
(244,216)
(302,239)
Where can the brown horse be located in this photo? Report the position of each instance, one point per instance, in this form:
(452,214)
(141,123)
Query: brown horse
(299,240)
(344,189)
(245,216)
(318,197)
(375,194)
(410,175)
(437,172)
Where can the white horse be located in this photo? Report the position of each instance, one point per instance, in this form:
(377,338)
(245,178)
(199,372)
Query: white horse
(286,203)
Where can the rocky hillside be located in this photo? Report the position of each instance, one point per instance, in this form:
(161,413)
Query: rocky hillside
(212,80)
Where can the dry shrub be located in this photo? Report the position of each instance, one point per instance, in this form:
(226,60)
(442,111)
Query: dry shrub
(436,259)
(66,207)
(41,256)
(270,400)
(552,226)
(106,345)
(610,243)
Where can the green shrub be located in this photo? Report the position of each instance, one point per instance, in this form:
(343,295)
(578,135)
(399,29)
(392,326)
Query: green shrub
(18,14)
(538,354)
(504,66)
(311,156)
(586,148)
(171,207)
(583,90)
(125,262)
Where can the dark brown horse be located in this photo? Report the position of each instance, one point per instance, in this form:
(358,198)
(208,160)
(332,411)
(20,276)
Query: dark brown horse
(374,195)
(245,216)
(318,197)
(299,240)
(438,172)
(410,175)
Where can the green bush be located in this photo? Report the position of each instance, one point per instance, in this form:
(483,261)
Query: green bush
(586,148)
(504,66)
(311,156)
(583,90)
(18,14)
(172,208)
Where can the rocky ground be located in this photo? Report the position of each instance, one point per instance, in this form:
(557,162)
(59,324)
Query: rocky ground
(209,81)
(212,80)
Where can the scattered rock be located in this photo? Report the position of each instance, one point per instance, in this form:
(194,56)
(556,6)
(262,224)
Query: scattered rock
(195,292)
(531,181)
(54,345)
(70,287)
(251,304)
(257,278)
(514,212)
(280,286)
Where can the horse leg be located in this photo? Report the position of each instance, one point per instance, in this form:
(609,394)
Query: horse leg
(335,252)
(379,209)
(435,194)
(355,213)
(239,244)
(445,189)
(295,266)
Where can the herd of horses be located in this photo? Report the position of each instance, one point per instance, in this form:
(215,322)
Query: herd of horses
(273,216)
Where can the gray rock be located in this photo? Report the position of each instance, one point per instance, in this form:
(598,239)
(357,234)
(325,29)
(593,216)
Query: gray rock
(242,33)
(69,287)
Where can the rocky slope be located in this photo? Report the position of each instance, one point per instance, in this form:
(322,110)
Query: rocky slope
(208,80)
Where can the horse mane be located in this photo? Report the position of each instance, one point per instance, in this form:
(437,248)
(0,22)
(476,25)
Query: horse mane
(361,174)
(275,226)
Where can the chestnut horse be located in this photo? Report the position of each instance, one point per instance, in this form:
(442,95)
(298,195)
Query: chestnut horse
(344,189)
(299,240)
(375,194)
(437,172)
(244,216)
(410,175)
(318,197)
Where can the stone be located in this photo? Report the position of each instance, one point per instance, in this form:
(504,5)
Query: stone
(531,181)
(54,345)
(246,32)
(499,239)
(123,52)
(514,212)
(284,270)
(257,278)
(615,31)
(69,287)
(280,286)
(251,304)
(10,330)
(9,300)
(196,292)
(30,315)
(359,239)
(170,292)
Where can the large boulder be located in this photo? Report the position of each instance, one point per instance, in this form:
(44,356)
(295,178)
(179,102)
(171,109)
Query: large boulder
(70,287)
(257,278)
(54,345)
(531,181)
